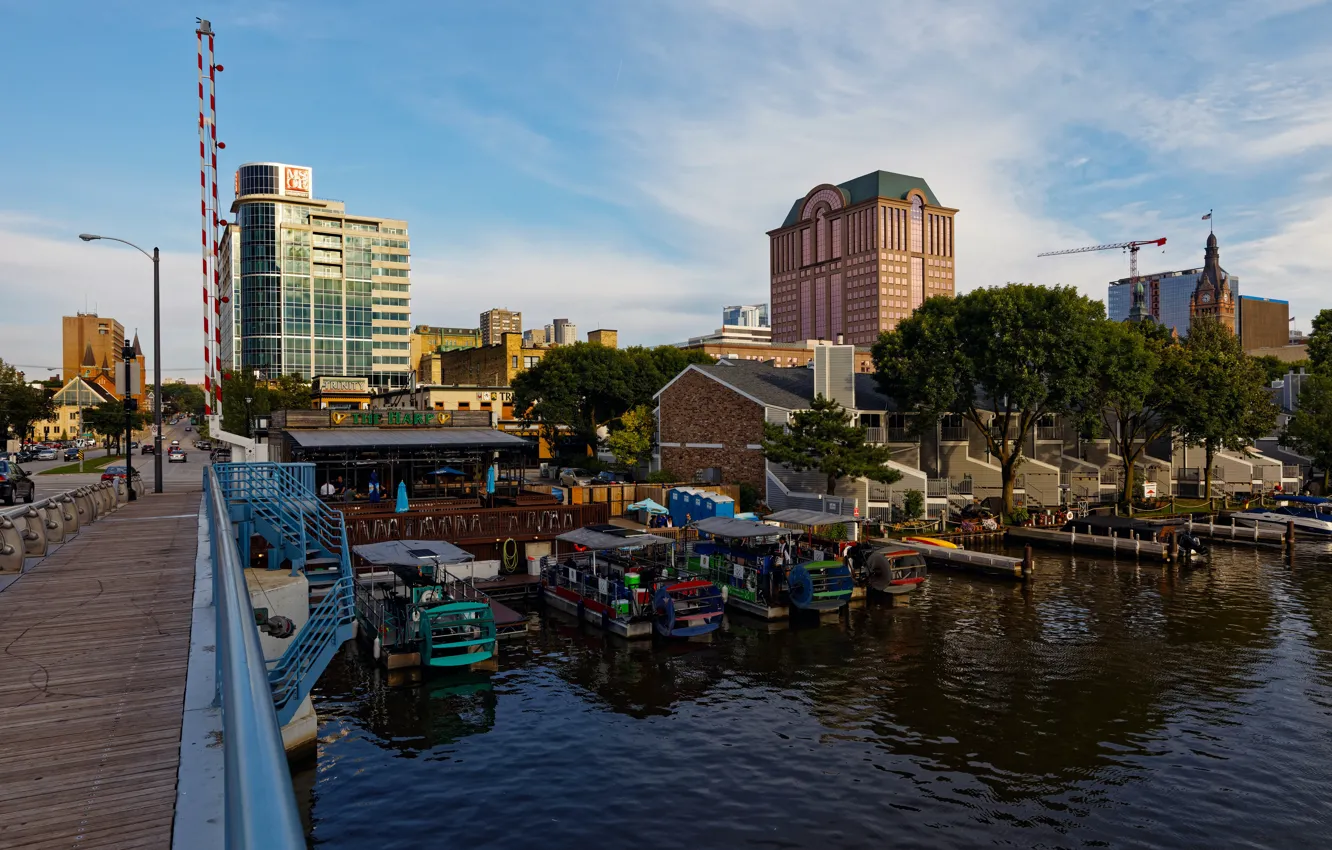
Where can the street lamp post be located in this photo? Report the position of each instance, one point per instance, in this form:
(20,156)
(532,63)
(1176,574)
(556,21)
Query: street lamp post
(127,354)
(157,353)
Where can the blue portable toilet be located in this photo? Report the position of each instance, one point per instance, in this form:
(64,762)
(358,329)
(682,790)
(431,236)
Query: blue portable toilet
(690,505)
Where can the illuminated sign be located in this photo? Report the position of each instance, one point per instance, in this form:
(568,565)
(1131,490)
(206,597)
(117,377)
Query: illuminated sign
(390,418)
(343,385)
(297,181)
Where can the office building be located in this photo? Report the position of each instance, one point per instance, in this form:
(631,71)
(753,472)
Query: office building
(1264,323)
(854,259)
(426,339)
(746,316)
(565,332)
(535,336)
(608,338)
(84,332)
(495,323)
(1169,296)
(313,289)
(487,366)
(734,342)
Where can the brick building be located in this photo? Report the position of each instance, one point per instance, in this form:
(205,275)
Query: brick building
(485,366)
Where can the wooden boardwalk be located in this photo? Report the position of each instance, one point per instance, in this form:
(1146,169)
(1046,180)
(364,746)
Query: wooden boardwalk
(93,649)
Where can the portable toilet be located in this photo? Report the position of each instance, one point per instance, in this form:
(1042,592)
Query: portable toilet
(688,504)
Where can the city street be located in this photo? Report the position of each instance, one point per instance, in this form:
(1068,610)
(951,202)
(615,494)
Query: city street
(172,473)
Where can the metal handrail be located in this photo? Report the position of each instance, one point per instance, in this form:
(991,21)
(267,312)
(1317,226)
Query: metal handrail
(259,802)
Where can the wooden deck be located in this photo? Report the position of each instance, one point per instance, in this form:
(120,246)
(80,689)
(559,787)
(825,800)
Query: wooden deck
(93,649)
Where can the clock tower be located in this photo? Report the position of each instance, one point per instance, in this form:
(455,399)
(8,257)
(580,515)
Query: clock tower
(1212,297)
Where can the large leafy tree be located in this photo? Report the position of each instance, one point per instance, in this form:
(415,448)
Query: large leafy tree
(108,420)
(20,404)
(582,387)
(826,438)
(1136,375)
(288,392)
(1320,340)
(1223,402)
(1309,431)
(1001,358)
(180,397)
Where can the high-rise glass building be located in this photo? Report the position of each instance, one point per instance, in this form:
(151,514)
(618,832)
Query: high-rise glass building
(309,288)
(1168,295)
(746,315)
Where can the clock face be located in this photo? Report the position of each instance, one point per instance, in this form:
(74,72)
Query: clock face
(1207,298)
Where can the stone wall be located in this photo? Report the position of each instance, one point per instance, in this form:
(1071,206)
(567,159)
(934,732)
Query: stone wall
(705,424)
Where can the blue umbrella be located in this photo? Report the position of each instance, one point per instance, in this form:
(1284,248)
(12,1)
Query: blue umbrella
(401,507)
(447,470)
(490,479)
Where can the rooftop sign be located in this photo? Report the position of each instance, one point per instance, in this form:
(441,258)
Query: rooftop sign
(390,418)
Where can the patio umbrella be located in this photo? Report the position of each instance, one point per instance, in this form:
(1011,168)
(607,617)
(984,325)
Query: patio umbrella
(490,479)
(401,507)
(446,470)
(649,505)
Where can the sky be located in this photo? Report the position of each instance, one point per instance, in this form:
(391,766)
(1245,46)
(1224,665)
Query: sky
(619,163)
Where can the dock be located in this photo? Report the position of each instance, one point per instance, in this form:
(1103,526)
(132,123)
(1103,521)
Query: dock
(1232,533)
(965,560)
(1095,543)
(92,680)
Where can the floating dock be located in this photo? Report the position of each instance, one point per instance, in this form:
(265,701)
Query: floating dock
(1095,543)
(1232,533)
(985,563)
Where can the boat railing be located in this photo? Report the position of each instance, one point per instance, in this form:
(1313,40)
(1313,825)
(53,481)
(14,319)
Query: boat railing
(576,573)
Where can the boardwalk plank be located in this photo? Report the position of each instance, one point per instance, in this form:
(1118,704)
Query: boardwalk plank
(94,647)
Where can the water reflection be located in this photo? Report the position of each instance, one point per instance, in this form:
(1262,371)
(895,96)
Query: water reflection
(1105,702)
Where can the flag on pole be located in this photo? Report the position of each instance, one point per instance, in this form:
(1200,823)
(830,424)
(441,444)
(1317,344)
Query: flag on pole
(1207,217)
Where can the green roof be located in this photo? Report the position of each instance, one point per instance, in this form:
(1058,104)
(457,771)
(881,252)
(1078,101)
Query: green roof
(876,184)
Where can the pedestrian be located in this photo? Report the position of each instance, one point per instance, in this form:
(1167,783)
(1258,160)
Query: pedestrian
(328,490)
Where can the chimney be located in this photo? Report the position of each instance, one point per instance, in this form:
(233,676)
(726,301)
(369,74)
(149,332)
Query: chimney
(839,339)
(835,374)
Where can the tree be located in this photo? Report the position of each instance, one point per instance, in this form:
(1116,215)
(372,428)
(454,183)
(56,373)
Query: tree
(108,420)
(1276,369)
(180,397)
(287,392)
(631,442)
(1137,372)
(1309,431)
(580,388)
(1320,341)
(1000,358)
(825,438)
(1223,401)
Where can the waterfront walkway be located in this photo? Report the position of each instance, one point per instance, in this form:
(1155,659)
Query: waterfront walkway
(94,643)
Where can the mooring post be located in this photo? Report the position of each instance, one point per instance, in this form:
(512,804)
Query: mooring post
(1174,548)
(1027,571)
(1290,535)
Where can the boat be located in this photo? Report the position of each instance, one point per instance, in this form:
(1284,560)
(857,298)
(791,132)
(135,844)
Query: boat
(417,607)
(1310,514)
(751,562)
(621,581)
(932,541)
(895,572)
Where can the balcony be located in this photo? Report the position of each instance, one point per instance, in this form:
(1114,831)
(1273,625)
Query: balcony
(875,435)
(1188,474)
(953,433)
(1112,475)
(1049,433)
(1291,471)
(900,435)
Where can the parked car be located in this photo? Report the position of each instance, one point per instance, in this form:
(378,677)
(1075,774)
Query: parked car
(47,454)
(572,477)
(15,484)
(176,455)
(26,454)
(204,445)
(72,453)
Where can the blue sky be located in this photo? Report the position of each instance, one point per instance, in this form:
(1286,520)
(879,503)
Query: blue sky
(618,163)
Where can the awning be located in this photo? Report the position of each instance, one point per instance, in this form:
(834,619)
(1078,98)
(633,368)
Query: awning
(405,438)
(649,505)
(600,540)
(446,470)
(740,529)
(411,553)
(799,516)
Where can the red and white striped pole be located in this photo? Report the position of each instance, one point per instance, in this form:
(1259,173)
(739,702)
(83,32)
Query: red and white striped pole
(217,279)
(204,27)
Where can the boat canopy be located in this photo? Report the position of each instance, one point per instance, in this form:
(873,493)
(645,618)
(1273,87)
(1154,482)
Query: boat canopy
(799,516)
(1304,500)
(740,529)
(601,540)
(411,553)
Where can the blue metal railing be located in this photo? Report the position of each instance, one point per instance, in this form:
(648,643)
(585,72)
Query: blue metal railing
(259,803)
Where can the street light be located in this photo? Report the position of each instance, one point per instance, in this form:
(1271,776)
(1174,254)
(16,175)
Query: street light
(157,352)
(248,399)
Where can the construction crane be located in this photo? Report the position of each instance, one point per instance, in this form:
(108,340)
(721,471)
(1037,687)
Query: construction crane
(1131,247)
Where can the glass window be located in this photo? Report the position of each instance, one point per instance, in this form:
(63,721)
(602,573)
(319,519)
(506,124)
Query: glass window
(917,223)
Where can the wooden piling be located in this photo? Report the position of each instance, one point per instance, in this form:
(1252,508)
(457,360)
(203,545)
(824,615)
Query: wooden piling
(1028,565)
(1290,535)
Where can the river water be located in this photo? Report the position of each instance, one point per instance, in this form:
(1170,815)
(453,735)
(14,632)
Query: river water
(1106,704)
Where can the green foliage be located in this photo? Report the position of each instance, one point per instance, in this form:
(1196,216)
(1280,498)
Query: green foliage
(749,497)
(585,386)
(1019,516)
(913,505)
(1309,431)
(288,392)
(663,476)
(836,531)
(825,438)
(108,420)
(1275,369)
(1136,388)
(1320,341)
(180,397)
(1002,358)
(1221,400)
(20,404)
(631,441)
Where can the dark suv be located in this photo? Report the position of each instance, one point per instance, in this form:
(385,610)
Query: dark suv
(15,484)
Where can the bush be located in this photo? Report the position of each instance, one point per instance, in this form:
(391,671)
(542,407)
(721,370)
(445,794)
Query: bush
(836,531)
(1019,516)
(749,497)
(913,505)
(662,476)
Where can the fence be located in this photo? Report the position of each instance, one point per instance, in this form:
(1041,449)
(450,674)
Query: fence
(475,525)
(953,433)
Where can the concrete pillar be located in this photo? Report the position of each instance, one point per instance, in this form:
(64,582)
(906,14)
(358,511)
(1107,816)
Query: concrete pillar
(286,595)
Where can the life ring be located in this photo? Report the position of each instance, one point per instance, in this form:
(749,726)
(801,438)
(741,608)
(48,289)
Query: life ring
(416,615)
(751,581)
(842,547)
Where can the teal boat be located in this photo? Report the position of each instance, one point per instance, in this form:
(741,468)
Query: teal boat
(414,605)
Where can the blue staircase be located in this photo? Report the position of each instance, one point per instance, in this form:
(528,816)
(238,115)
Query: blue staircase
(278,501)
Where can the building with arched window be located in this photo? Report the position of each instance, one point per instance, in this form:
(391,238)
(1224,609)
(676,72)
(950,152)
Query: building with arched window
(852,260)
